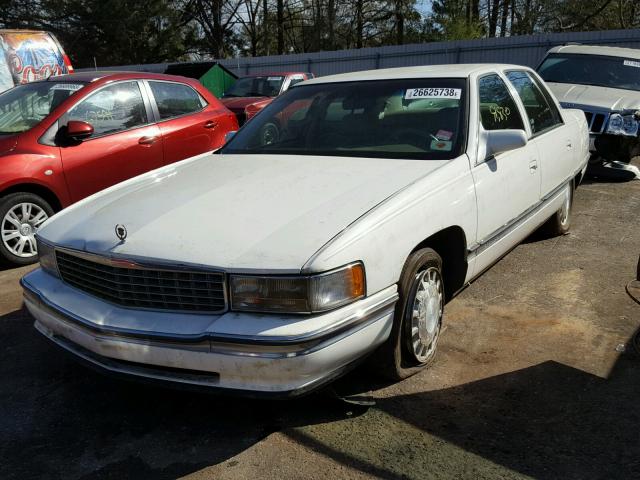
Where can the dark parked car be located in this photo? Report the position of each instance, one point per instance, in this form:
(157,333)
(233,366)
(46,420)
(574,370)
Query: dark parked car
(69,136)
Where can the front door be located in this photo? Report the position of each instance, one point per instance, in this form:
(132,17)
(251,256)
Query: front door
(507,184)
(124,143)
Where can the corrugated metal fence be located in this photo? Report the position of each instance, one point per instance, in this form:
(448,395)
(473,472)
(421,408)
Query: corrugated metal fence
(521,50)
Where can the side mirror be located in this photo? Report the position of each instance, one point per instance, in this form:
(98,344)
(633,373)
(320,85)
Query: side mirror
(229,135)
(499,141)
(78,131)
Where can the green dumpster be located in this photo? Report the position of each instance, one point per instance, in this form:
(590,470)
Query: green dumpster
(215,77)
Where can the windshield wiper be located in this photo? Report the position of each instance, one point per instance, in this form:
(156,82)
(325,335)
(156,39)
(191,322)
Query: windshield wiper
(230,95)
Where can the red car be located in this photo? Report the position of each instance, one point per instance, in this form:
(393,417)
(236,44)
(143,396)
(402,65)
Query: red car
(69,136)
(252,93)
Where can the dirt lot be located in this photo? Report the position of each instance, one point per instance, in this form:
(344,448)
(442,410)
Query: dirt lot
(529,383)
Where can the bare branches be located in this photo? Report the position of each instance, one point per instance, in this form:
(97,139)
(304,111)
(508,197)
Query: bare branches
(129,31)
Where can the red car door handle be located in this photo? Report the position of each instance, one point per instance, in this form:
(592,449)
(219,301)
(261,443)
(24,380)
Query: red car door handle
(210,124)
(147,140)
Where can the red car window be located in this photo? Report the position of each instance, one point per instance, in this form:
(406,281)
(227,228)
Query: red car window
(112,109)
(175,99)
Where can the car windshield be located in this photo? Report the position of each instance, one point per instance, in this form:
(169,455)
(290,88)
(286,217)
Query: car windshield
(601,71)
(412,118)
(24,106)
(260,86)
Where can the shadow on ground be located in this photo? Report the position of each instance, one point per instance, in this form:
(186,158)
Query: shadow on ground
(60,420)
(548,421)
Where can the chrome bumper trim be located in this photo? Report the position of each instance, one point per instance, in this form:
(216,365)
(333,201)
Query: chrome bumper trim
(267,347)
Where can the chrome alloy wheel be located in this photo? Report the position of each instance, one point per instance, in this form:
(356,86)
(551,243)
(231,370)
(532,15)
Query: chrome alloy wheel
(426,313)
(566,207)
(19,226)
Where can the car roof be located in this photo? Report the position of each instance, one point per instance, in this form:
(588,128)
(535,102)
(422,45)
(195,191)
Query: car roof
(598,50)
(92,76)
(426,71)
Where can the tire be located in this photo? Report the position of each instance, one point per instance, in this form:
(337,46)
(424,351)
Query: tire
(398,358)
(21,214)
(270,133)
(560,222)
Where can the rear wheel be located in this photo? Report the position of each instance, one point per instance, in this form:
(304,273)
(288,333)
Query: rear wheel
(560,222)
(418,318)
(21,214)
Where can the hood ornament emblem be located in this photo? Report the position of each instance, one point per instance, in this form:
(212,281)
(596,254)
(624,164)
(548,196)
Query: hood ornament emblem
(121,232)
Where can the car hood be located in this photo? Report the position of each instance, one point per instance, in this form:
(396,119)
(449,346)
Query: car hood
(237,212)
(612,99)
(240,103)
(8,143)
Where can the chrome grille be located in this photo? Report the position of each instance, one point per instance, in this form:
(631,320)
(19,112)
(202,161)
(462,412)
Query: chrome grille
(143,287)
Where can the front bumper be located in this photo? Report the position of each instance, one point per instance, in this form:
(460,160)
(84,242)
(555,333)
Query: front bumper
(318,348)
(614,147)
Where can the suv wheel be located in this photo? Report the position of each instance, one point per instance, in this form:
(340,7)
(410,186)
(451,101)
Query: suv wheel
(21,214)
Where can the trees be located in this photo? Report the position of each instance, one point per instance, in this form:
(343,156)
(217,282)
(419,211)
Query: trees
(493,18)
(113,32)
(118,32)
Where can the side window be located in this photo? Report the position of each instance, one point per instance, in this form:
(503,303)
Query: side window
(498,111)
(113,109)
(175,99)
(540,109)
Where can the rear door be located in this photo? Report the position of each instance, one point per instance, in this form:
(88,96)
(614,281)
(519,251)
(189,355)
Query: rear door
(125,142)
(553,142)
(189,125)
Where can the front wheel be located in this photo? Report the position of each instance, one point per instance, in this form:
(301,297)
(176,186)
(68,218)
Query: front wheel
(21,214)
(418,318)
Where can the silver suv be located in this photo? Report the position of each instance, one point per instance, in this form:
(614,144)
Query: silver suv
(604,82)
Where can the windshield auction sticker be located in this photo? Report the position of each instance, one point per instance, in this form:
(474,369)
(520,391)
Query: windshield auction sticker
(631,63)
(413,93)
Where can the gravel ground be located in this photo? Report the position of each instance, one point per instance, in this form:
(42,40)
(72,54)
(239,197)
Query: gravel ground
(530,382)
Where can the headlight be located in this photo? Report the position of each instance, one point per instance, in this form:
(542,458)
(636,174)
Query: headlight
(622,125)
(630,126)
(47,257)
(298,294)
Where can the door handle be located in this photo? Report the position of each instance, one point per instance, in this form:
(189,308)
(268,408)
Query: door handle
(533,166)
(569,145)
(210,124)
(147,140)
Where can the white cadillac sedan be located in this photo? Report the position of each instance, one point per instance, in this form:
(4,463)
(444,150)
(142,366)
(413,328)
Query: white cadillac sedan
(335,224)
